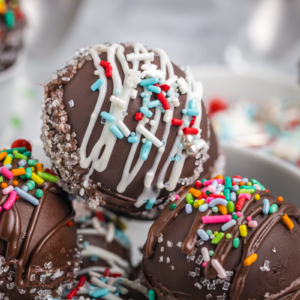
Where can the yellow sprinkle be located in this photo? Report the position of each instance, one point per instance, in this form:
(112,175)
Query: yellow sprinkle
(223,209)
(3,155)
(37,179)
(256,197)
(250,259)
(3,8)
(32,168)
(243,230)
(198,203)
(288,222)
(195,192)
(7,160)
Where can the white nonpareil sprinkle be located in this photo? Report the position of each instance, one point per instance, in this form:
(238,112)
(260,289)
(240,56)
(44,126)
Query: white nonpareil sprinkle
(71,103)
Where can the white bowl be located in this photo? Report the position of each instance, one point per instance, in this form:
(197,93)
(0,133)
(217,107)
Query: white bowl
(281,178)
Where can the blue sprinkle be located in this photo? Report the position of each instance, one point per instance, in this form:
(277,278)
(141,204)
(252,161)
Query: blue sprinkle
(103,279)
(96,85)
(149,81)
(22,163)
(133,139)
(143,94)
(192,112)
(154,89)
(146,99)
(169,93)
(203,235)
(184,111)
(117,92)
(107,116)
(228,225)
(169,99)
(100,293)
(203,207)
(8,166)
(116,131)
(132,133)
(27,196)
(179,146)
(177,157)
(188,209)
(236,179)
(233,196)
(162,109)
(145,111)
(192,104)
(154,103)
(245,180)
(172,158)
(215,182)
(85,244)
(150,203)
(146,150)
(94,258)
(266,206)
(176,95)
(235,188)
(217,201)
(220,189)
(25,188)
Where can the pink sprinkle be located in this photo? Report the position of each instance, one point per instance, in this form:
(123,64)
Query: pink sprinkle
(209,199)
(252,224)
(8,174)
(8,190)
(249,218)
(212,189)
(176,197)
(239,214)
(10,201)
(216,219)
(247,196)
(204,264)
(0,208)
(209,182)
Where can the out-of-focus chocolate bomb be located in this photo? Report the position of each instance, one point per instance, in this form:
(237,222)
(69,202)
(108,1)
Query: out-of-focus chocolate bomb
(240,245)
(12,23)
(38,242)
(125,127)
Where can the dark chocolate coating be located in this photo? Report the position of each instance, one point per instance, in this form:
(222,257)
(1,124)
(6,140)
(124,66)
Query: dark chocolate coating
(33,236)
(281,282)
(79,90)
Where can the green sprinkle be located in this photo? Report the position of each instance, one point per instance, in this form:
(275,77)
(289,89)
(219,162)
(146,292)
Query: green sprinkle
(50,177)
(207,192)
(254,181)
(246,187)
(249,183)
(228,236)
(30,184)
(151,295)
(189,199)
(173,206)
(227,194)
(228,184)
(27,153)
(211,252)
(217,238)
(273,208)
(230,207)
(20,156)
(236,242)
(203,180)
(39,193)
(235,217)
(216,233)
(20,150)
(215,209)
(10,19)
(1,179)
(251,191)
(221,193)
(28,173)
(32,162)
(209,232)
(15,152)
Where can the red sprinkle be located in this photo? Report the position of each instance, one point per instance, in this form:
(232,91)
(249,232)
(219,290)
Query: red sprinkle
(188,130)
(72,294)
(237,176)
(50,171)
(177,122)
(217,196)
(202,196)
(100,216)
(216,105)
(70,223)
(165,87)
(240,203)
(192,123)
(18,198)
(21,143)
(108,68)
(198,184)
(233,183)
(266,190)
(138,116)
(114,275)
(81,282)
(165,104)
(106,273)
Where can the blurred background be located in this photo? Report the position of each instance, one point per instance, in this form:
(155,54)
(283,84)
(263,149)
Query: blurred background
(246,53)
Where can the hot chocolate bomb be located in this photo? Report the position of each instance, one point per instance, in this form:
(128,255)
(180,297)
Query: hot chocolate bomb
(125,127)
(38,242)
(239,244)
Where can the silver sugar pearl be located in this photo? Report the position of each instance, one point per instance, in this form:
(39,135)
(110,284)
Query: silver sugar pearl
(187,140)
(192,151)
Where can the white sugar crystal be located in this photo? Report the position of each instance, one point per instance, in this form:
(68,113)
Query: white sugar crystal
(168,260)
(198,285)
(274,250)
(172,268)
(169,244)
(192,274)
(226,286)
(179,244)
(199,260)
(71,103)
(209,296)
(160,239)
(162,249)
(266,266)
(161,259)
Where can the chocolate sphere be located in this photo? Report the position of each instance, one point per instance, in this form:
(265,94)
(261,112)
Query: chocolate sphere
(12,23)
(241,245)
(38,242)
(114,118)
